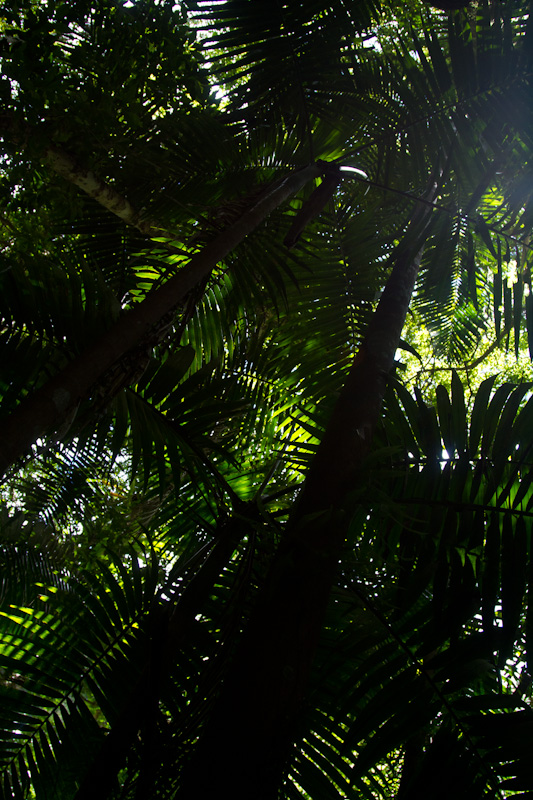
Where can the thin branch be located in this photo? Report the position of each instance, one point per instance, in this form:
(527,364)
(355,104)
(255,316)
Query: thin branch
(490,349)
(469,366)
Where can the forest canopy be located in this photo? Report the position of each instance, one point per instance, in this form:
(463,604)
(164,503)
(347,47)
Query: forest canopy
(265,399)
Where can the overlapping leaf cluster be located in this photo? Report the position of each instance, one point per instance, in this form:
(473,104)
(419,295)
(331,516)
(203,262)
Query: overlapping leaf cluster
(137,537)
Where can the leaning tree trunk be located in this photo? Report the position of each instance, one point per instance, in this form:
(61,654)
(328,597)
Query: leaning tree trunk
(167,631)
(244,748)
(45,410)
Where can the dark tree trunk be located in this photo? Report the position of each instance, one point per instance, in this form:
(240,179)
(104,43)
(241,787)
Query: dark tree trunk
(168,627)
(246,744)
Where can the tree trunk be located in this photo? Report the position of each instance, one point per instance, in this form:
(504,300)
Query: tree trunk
(245,746)
(168,628)
(69,167)
(47,408)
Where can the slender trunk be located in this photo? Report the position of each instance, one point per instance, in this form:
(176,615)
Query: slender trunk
(69,167)
(168,629)
(46,409)
(244,748)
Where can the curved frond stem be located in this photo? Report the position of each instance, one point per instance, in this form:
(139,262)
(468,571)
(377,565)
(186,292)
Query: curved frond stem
(454,213)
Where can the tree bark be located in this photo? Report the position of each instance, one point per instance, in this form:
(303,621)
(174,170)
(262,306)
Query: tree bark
(45,410)
(68,167)
(245,746)
(167,633)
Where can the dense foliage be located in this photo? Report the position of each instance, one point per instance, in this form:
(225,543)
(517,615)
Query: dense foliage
(239,555)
